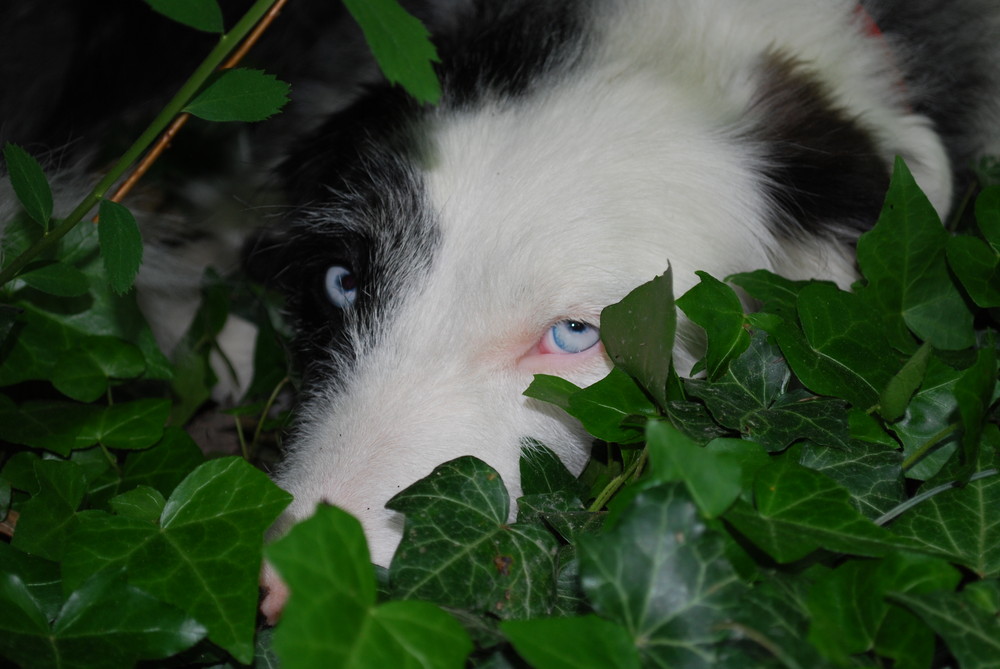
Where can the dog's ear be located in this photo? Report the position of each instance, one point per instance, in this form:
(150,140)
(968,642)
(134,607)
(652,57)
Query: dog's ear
(822,167)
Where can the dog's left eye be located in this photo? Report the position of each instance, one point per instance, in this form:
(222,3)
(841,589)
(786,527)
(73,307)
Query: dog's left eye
(570,336)
(341,286)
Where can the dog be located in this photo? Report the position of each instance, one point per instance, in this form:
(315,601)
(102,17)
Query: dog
(435,258)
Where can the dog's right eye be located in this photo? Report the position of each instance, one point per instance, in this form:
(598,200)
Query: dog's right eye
(341,286)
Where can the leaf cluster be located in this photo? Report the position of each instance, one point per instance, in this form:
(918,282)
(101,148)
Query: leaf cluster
(822,493)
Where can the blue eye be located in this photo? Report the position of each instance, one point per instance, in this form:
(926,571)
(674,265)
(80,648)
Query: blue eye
(341,286)
(571,337)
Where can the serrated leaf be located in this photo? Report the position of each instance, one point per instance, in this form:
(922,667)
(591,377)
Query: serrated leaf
(715,307)
(56,278)
(798,510)
(401,46)
(105,623)
(662,575)
(903,259)
(121,245)
(29,182)
(712,479)
(331,618)
(972,635)
(204,15)
(459,550)
(638,334)
(209,534)
(586,642)
(240,95)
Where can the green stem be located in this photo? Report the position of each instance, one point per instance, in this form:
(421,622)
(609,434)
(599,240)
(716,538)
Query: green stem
(630,473)
(227,43)
(267,409)
(928,445)
(897,511)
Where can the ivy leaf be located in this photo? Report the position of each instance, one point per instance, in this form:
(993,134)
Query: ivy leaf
(163,466)
(400,44)
(988,215)
(29,182)
(897,393)
(959,524)
(663,576)
(204,15)
(711,478)
(56,278)
(971,633)
(715,307)
(638,333)
(799,510)
(977,265)
(240,94)
(48,516)
(331,619)
(105,622)
(929,412)
(121,245)
(209,533)
(872,474)
(849,611)
(142,503)
(604,406)
(459,550)
(903,259)
(83,372)
(572,643)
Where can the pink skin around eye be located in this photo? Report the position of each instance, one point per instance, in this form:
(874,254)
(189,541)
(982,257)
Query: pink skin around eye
(542,359)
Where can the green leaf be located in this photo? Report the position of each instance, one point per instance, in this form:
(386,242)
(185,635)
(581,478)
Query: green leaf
(543,472)
(959,524)
(777,294)
(552,389)
(240,95)
(715,307)
(838,349)
(331,619)
(926,421)
(209,533)
(897,393)
(713,479)
(49,515)
(587,642)
(56,278)
(799,510)
(59,427)
(105,623)
(141,503)
(204,15)
(975,392)
(136,424)
(604,406)
(164,465)
(459,550)
(663,576)
(850,614)
(903,259)
(988,215)
(30,185)
(638,334)
(401,46)
(121,245)
(82,372)
(977,265)
(872,474)
(972,634)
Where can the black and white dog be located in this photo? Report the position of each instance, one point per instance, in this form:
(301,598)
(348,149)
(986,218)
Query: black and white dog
(438,257)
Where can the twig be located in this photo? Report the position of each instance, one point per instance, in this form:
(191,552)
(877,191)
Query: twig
(163,142)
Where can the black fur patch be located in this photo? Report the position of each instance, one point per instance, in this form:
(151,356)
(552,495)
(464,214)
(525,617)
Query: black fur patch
(822,169)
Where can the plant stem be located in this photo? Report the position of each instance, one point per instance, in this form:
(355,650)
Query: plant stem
(928,445)
(194,83)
